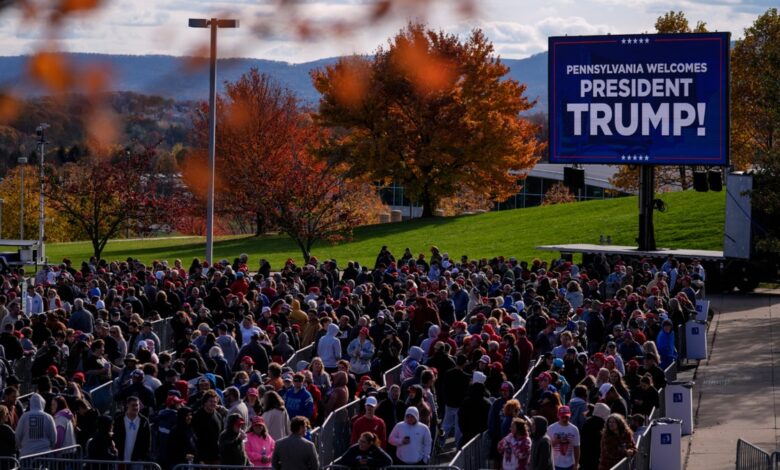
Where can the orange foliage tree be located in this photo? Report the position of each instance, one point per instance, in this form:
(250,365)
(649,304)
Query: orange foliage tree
(318,203)
(105,193)
(431,113)
(259,123)
(558,193)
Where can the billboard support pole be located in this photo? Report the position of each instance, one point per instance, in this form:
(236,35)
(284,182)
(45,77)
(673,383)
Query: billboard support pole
(646,239)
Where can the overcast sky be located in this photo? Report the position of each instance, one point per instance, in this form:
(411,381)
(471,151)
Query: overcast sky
(518,28)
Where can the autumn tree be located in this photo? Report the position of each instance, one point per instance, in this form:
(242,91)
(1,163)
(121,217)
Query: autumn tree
(627,177)
(107,192)
(431,113)
(755,117)
(259,123)
(57,228)
(558,193)
(318,203)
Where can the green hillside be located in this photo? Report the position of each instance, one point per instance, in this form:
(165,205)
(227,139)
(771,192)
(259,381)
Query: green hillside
(693,220)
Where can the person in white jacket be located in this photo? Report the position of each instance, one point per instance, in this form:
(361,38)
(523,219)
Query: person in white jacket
(36,431)
(412,439)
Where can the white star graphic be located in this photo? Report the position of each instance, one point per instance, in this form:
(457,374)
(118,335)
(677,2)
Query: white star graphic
(636,41)
(647,157)
(623,41)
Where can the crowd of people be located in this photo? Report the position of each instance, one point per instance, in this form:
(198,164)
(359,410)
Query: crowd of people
(465,332)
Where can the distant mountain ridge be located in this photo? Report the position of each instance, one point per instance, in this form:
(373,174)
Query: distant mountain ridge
(186,78)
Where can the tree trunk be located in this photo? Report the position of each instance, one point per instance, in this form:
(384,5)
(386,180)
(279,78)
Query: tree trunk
(97,248)
(428,205)
(259,224)
(683,178)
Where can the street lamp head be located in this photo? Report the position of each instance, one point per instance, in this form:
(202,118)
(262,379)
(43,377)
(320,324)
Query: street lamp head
(205,23)
(227,23)
(199,23)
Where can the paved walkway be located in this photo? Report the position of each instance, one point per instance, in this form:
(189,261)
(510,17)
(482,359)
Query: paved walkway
(736,394)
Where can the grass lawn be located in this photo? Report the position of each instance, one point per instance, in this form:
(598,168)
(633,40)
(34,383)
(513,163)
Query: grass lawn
(693,220)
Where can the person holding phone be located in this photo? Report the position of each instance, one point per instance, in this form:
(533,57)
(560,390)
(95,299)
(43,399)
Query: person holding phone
(412,439)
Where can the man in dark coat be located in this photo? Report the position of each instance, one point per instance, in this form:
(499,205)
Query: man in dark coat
(132,422)
(207,424)
(231,442)
(295,452)
(474,411)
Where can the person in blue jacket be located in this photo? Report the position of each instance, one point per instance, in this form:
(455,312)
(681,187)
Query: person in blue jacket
(665,342)
(298,400)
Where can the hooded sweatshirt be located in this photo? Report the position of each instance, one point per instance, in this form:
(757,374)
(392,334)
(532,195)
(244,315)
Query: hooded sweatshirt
(298,316)
(36,431)
(418,449)
(541,447)
(329,347)
(433,333)
(339,395)
(259,449)
(283,348)
(411,362)
(63,421)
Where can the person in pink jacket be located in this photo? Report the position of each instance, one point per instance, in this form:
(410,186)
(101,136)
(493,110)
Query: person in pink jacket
(259,444)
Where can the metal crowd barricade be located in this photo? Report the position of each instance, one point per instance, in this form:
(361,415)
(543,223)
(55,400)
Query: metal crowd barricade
(392,376)
(336,432)
(398,467)
(641,459)
(474,454)
(671,372)
(8,463)
(303,354)
(103,398)
(162,328)
(35,461)
(751,457)
(193,466)
(523,394)
(90,464)
(423,467)
(625,464)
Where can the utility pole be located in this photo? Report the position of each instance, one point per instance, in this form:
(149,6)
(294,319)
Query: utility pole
(40,132)
(213,24)
(22,162)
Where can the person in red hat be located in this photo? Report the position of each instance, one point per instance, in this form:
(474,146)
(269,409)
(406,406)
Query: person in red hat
(565,440)
(231,442)
(259,444)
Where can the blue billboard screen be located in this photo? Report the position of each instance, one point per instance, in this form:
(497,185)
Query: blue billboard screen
(651,99)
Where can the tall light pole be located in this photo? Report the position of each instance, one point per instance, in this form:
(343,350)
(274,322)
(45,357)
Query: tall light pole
(213,24)
(40,132)
(22,163)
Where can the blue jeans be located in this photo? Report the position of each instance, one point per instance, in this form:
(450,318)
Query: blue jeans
(450,421)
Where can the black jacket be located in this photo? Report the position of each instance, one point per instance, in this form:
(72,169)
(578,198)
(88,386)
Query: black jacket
(473,413)
(590,443)
(207,428)
(231,445)
(143,441)
(456,384)
(375,457)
